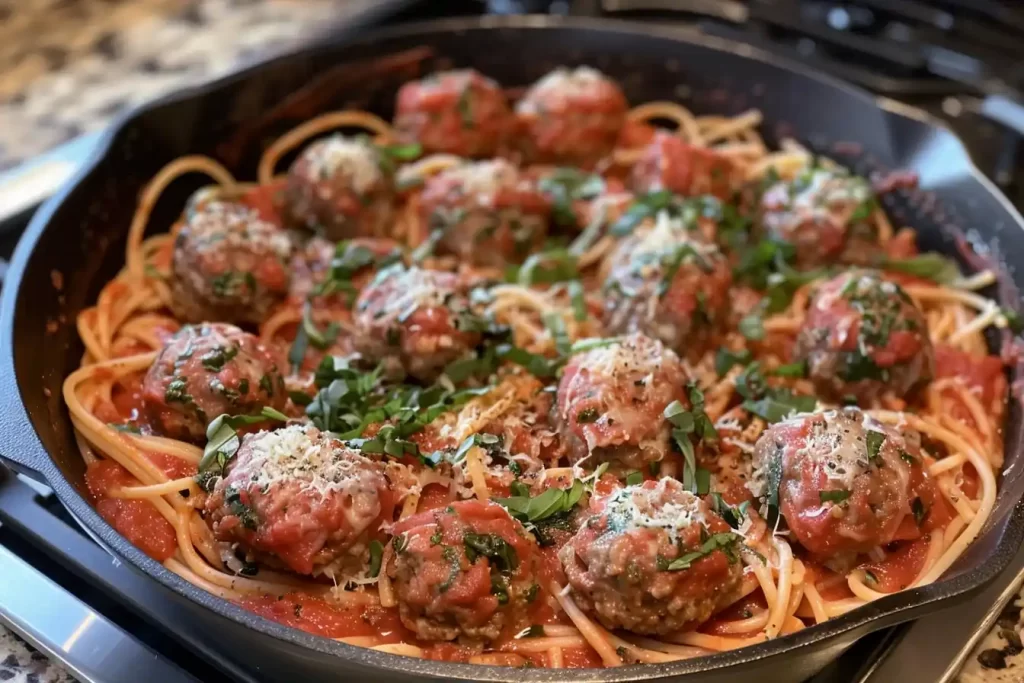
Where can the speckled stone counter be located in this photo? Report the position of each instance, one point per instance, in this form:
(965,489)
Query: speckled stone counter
(21,664)
(68,66)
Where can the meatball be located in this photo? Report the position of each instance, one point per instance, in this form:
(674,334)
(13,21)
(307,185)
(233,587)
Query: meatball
(299,498)
(845,483)
(228,264)
(210,370)
(824,213)
(410,319)
(571,117)
(668,284)
(669,163)
(454,112)
(487,212)
(464,571)
(626,564)
(610,401)
(340,187)
(863,336)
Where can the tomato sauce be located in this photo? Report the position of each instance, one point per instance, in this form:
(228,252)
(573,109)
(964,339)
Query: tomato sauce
(899,568)
(135,519)
(318,616)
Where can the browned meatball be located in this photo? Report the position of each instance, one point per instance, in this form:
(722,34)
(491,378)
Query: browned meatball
(824,213)
(626,564)
(410,319)
(669,284)
(846,482)
(454,112)
(464,571)
(340,187)
(863,336)
(669,163)
(571,117)
(489,213)
(298,498)
(610,401)
(209,370)
(228,264)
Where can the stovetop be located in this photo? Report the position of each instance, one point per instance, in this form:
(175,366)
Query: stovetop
(955,59)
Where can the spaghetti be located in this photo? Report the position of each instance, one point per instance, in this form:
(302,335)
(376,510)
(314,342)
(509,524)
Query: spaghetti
(502,360)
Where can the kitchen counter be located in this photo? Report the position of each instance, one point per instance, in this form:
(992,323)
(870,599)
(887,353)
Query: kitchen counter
(21,664)
(68,66)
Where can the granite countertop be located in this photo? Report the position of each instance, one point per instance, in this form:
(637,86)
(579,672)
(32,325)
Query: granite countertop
(68,66)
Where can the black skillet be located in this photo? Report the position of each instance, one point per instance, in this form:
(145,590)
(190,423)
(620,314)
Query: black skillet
(76,243)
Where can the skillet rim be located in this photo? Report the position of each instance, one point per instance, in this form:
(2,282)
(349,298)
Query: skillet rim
(898,607)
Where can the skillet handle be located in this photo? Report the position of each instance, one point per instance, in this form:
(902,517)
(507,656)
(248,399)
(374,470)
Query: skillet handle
(20,447)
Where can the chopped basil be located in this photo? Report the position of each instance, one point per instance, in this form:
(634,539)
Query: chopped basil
(837,496)
(725,541)
(548,267)
(780,406)
(578,300)
(930,266)
(1014,321)
(402,152)
(919,510)
(733,516)
(551,502)
(703,481)
(797,369)
(587,415)
(376,554)
(245,514)
(223,442)
(907,457)
(555,326)
(870,578)
(566,185)
(643,207)
(495,548)
(634,478)
(752,327)
(874,442)
(534,631)
(726,360)
(215,359)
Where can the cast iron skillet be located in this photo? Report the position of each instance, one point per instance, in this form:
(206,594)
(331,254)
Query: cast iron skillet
(76,243)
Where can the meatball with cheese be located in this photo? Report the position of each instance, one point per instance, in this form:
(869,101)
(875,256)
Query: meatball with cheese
(670,284)
(340,187)
(669,163)
(487,213)
(571,117)
(339,269)
(208,370)
(299,499)
(652,558)
(824,213)
(862,336)
(463,572)
(228,264)
(411,319)
(610,401)
(454,112)
(844,482)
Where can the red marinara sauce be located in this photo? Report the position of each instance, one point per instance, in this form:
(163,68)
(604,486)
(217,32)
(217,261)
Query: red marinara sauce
(135,519)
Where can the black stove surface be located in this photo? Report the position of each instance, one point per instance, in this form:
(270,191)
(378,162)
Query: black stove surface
(943,56)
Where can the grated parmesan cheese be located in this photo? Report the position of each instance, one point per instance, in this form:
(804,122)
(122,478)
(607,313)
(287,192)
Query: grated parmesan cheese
(355,158)
(301,453)
(665,506)
(482,180)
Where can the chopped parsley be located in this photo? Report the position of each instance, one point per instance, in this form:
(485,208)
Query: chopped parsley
(376,554)
(874,442)
(551,502)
